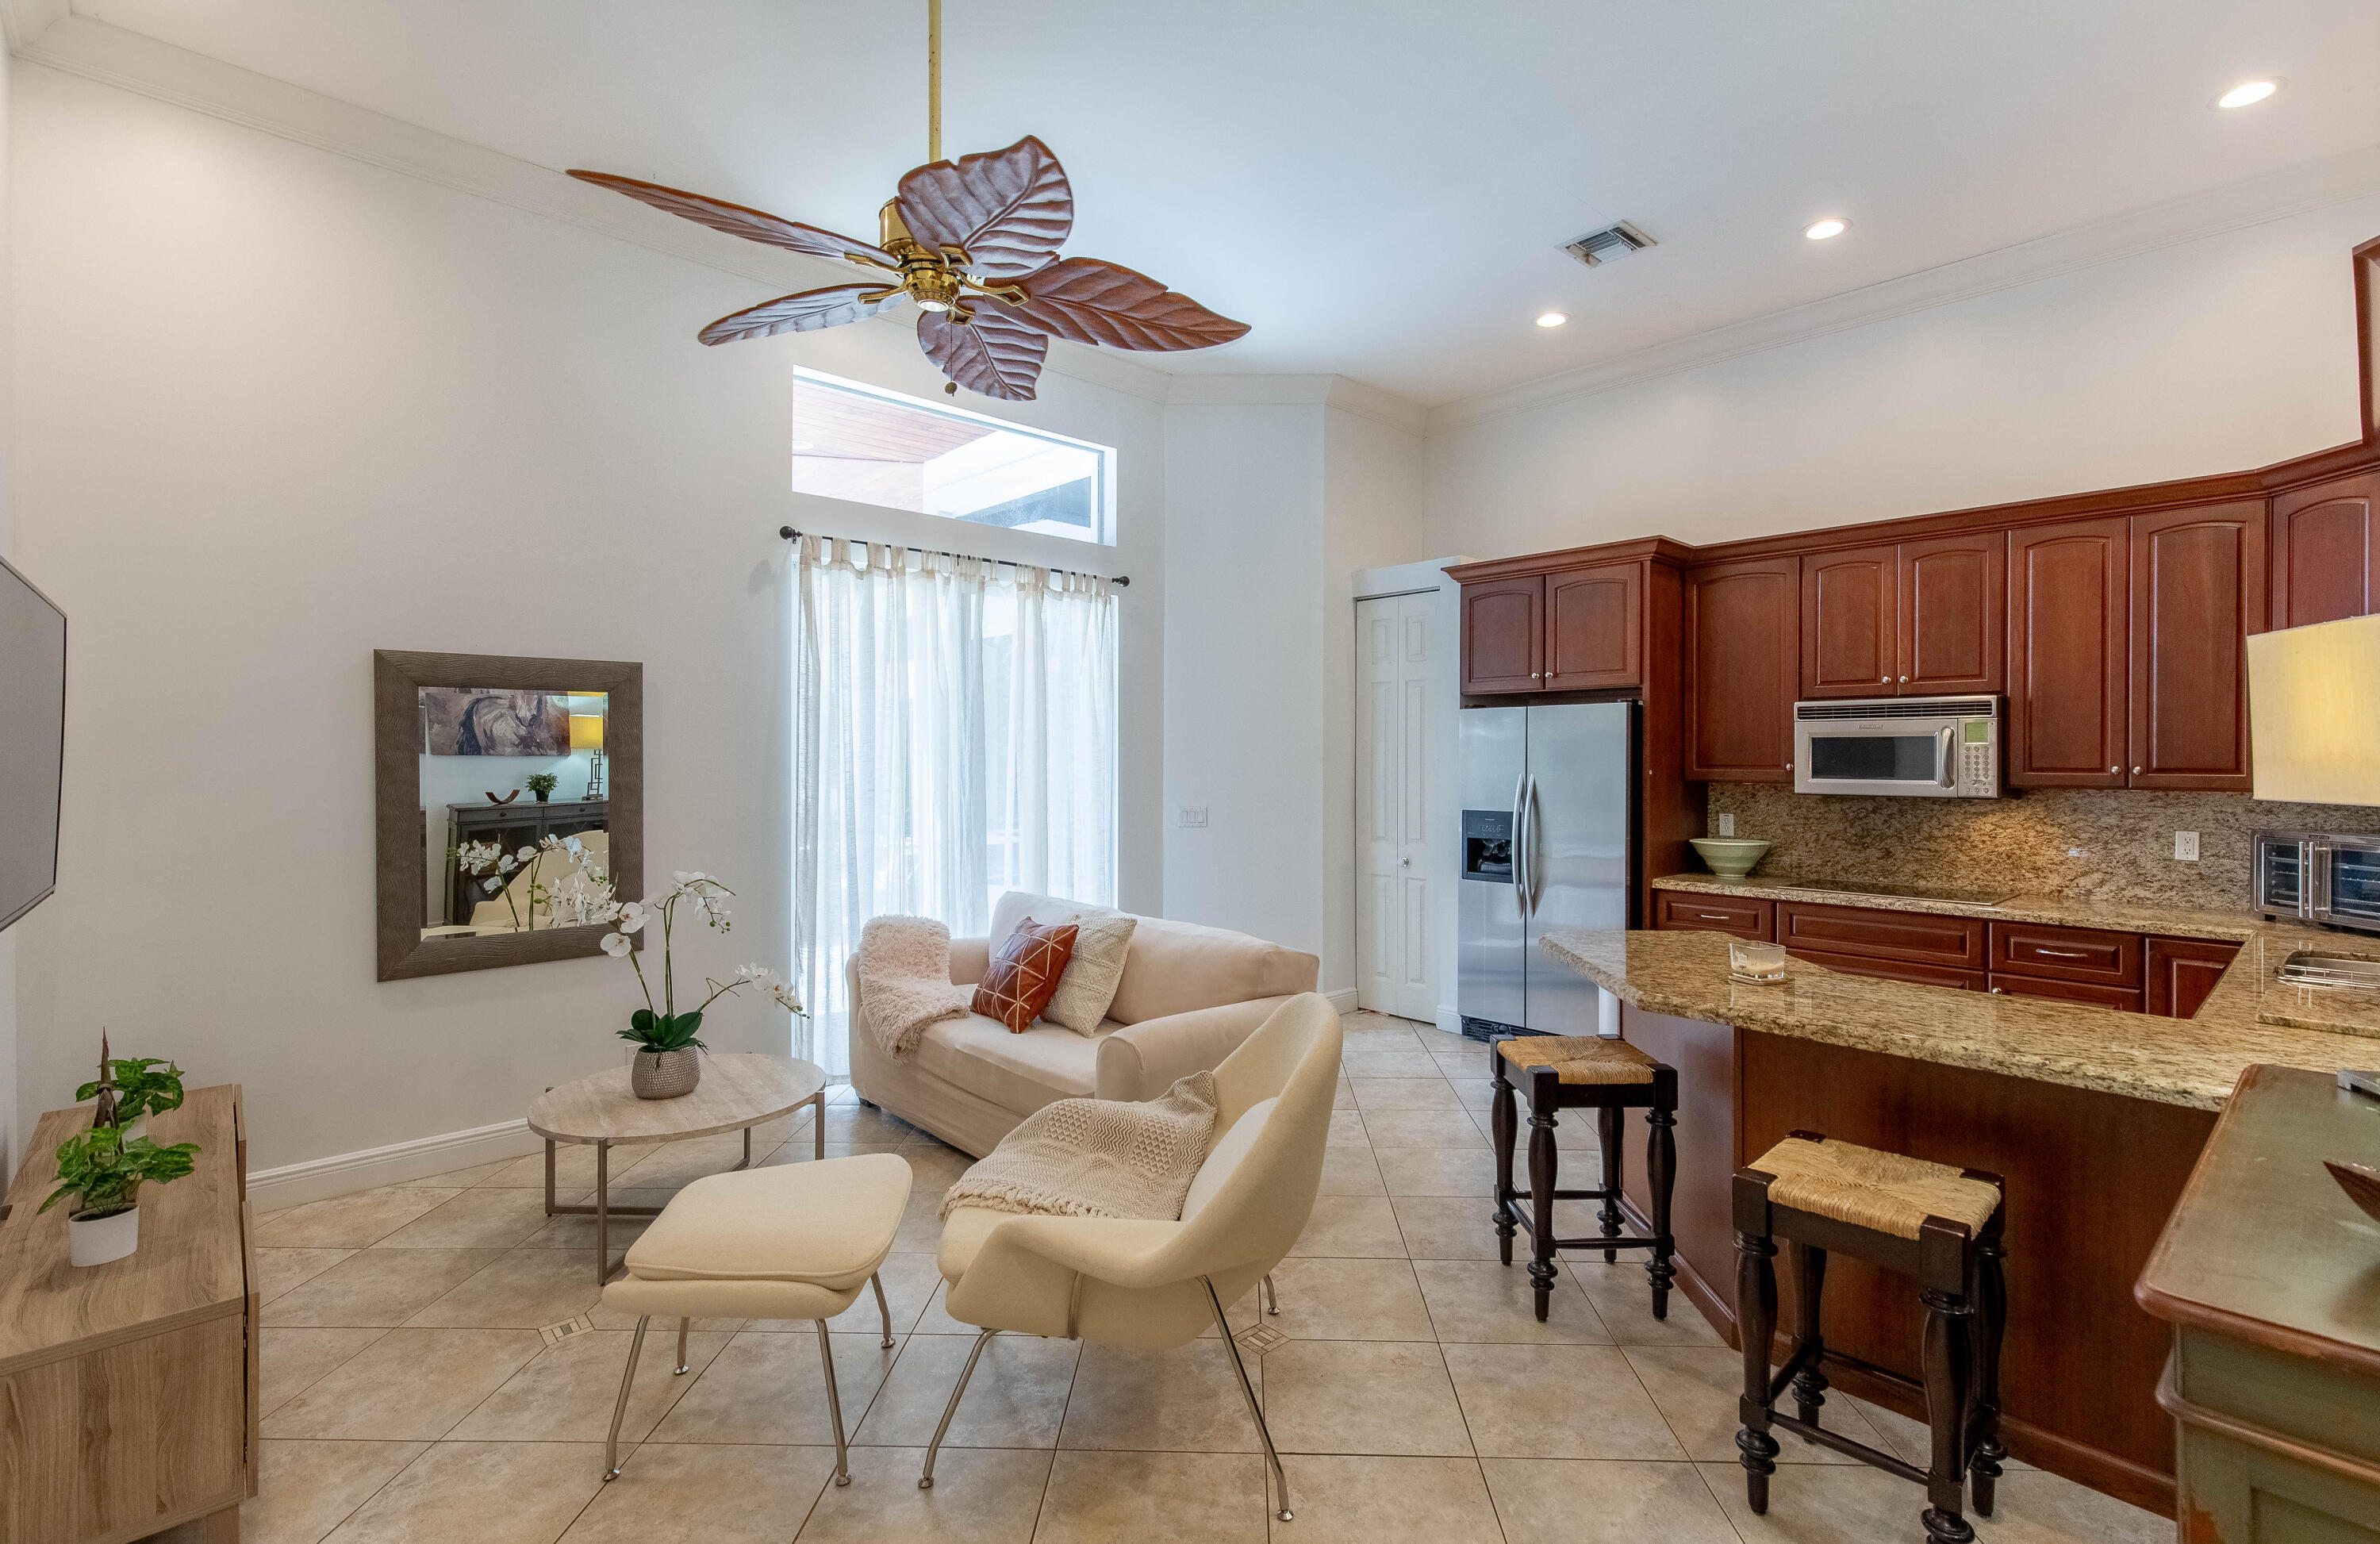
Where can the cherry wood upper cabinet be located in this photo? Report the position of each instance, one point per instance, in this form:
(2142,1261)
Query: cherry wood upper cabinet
(2322,550)
(1744,649)
(2198,591)
(2069,717)
(1953,615)
(1594,628)
(1503,635)
(1850,639)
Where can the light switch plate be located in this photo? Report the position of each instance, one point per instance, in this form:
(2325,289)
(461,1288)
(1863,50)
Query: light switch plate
(2185,847)
(1726,825)
(1193,814)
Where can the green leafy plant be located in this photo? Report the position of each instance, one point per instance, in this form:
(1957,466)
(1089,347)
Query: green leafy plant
(659,1032)
(107,1171)
(144,1085)
(543,784)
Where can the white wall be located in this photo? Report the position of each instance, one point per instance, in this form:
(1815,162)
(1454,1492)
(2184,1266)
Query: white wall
(11,1080)
(282,407)
(2219,355)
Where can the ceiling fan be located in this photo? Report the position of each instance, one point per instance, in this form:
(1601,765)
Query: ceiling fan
(975,243)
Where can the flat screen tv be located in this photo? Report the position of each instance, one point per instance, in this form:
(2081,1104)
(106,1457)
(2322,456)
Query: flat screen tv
(33,742)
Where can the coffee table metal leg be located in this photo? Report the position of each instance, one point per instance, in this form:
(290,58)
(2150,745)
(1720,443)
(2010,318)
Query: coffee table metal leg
(549,1177)
(818,1124)
(602,1212)
(748,1149)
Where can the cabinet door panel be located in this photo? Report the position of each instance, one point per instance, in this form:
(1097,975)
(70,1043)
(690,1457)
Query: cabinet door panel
(1594,628)
(1870,933)
(2198,591)
(1744,649)
(1953,611)
(2322,550)
(2068,599)
(1503,635)
(1849,602)
(1684,911)
(2122,999)
(2182,972)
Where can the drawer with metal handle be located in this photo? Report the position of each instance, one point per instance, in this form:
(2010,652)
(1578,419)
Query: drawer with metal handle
(2088,956)
(1682,911)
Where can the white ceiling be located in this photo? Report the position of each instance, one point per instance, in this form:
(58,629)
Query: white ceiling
(1380,189)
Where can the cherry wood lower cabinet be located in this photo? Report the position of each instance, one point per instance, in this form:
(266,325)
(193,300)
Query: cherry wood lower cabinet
(2091,1177)
(1896,970)
(1684,911)
(2181,971)
(2086,955)
(1911,937)
(2122,999)
(128,1391)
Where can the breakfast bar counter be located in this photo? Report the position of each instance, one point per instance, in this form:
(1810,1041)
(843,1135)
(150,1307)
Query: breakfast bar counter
(2094,1116)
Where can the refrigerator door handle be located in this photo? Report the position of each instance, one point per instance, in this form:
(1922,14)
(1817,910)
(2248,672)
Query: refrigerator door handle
(1529,802)
(1521,842)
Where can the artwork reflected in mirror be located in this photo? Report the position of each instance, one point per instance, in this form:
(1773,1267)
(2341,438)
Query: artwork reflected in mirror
(513,809)
(509,807)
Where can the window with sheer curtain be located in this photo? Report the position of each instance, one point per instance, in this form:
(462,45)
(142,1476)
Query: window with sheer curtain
(955,739)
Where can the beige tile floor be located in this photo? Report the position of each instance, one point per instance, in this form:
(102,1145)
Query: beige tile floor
(409,1398)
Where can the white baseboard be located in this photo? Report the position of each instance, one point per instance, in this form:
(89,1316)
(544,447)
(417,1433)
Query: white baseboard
(342,1174)
(1450,1021)
(1343,999)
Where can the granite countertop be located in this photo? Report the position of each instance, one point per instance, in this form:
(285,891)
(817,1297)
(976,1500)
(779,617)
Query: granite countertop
(2192,1061)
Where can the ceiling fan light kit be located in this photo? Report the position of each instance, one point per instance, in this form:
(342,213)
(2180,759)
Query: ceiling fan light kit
(975,243)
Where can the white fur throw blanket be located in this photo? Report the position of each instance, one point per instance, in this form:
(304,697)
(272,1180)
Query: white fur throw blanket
(1097,1157)
(904,980)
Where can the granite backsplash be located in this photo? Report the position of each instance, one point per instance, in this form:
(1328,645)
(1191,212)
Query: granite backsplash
(2108,843)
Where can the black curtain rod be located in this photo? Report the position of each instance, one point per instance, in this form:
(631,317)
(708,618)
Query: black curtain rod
(790,534)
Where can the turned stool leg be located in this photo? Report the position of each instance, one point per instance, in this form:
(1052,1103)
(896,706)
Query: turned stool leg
(1755,1320)
(1949,1358)
(1660,1179)
(1606,1131)
(1809,1285)
(1503,1122)
(1989,1296)
(1544,1086)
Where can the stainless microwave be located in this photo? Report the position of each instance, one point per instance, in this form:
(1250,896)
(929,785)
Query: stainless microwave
(1933,748)
(2330,881)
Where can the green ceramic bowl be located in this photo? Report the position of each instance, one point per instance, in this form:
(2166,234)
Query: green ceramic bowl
(1730,857)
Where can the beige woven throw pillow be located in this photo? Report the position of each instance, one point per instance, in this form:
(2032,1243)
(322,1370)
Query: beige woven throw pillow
(1093,971)
(1097,1157)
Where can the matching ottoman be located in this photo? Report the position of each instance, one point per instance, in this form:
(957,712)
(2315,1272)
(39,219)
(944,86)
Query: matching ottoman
(790,1241)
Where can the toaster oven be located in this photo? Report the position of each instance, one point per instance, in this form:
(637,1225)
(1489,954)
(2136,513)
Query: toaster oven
(2310,877)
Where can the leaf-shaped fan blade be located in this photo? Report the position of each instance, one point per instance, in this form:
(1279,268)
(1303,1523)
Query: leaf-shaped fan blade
(1010,209)
(752,225)
(1090,302)
(993,356)
(807,312)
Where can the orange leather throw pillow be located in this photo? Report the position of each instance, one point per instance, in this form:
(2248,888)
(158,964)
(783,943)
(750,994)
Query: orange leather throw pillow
(1024,974)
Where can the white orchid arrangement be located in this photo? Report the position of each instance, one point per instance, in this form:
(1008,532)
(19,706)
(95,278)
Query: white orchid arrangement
(660,1026)
(584,891)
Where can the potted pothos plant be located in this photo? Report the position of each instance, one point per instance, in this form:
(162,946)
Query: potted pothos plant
(143,1085)
(103,1171)
(667,1061)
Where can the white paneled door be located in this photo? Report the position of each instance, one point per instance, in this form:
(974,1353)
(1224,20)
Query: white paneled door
(1396,970)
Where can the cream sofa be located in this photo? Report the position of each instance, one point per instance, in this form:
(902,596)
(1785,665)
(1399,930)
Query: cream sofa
(1188,997)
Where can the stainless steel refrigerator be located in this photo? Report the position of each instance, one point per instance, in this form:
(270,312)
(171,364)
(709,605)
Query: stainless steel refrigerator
(1548,842)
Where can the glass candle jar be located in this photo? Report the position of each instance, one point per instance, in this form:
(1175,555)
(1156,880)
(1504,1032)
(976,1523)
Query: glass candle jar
(1749,961)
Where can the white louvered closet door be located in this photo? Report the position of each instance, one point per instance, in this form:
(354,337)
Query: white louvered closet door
(1395,969)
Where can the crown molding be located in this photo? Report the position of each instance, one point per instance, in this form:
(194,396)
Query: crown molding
(128,61)
(2337,179)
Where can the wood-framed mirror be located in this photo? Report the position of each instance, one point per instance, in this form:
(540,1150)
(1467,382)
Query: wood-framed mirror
(508,794)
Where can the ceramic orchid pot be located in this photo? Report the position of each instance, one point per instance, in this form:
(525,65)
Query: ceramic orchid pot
(665,1074)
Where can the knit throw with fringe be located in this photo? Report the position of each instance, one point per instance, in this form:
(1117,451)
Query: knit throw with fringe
(1097,1157)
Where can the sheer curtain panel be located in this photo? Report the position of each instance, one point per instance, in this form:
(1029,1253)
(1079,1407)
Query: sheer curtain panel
(955,738)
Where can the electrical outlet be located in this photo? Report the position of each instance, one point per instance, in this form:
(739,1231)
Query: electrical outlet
(1193,815)
(1726,825)
(2185,846)
(2078,852)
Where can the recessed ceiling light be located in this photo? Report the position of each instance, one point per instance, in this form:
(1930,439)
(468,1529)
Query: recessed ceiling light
(1821,230)
(2249,93)
(1553,319)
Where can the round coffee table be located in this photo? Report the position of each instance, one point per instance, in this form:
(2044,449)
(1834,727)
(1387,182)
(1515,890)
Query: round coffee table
(737,1092)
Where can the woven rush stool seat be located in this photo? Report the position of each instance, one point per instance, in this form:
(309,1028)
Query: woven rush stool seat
(1939,1225)
(1871,1189)
(1610,1077)
(1579,1058)
(788,1240)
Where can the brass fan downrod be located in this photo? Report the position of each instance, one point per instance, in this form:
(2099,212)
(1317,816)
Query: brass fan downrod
(933,79)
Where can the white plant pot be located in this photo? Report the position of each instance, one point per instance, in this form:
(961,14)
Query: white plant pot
(97,1240)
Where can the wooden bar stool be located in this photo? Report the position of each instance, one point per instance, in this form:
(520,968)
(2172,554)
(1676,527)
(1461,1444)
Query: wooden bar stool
(1927,1220)
(1573,1072)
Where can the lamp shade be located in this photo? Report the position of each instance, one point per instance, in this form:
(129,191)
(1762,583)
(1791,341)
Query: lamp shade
(586,732)
(2313,713)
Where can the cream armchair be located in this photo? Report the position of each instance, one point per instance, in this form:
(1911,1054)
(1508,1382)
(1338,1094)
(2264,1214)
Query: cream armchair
(1154,1285)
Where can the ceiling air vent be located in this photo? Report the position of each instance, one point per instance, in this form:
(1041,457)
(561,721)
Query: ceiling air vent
(1608,245)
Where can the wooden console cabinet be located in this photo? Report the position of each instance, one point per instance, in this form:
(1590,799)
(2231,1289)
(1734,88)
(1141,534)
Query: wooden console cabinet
(128,1391)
